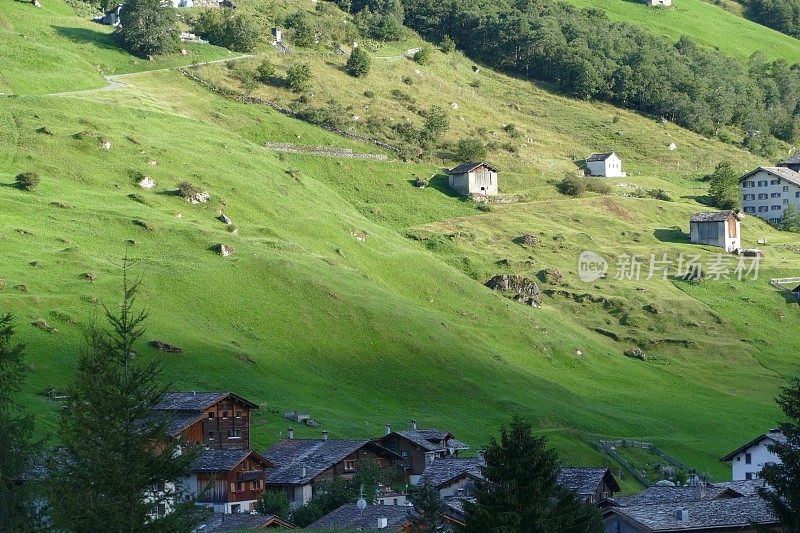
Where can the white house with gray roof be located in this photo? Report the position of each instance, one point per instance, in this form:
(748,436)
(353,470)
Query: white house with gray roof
(607,165)
(748,460)
(768,191)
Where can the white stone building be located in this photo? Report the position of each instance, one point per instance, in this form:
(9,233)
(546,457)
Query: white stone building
(747,461)
(768,191)
(665,3)
(607,165)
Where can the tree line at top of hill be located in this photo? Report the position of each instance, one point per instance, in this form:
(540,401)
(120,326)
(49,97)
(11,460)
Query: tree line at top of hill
(781,15)
(580,52)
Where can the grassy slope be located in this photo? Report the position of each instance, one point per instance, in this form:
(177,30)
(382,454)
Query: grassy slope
(304,316)
(50,49)
(705,23)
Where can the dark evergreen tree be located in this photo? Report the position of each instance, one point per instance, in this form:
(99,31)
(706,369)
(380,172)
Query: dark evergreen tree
(17,447)
(429,509)
(119,471)
(783,491)
(148,27)
(359,63)
(520,493)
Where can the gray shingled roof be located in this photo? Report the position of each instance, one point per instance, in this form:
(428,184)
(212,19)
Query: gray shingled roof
(468,167)
(727,512)
(442,471)
(235,522)
(432,439)
(350,516)
(745,487)
(599,157)
(189,401)
(222,460)
(179,422)
(656,495)
(316,455)
(779,172)
(584,481)
(791,160)
(773,434)
(711,216)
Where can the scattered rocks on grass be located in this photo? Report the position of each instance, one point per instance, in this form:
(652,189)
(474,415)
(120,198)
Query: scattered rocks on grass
(45,131)
(42,324)
(152,162)
(36,264)
(59,205)
(420,182)
(165,347)
(529,240)
(673,146)
(359,235)
(223,249)
(91,276)
(224,219)
(143,224)
(105,144)
(635,353)
(551,276)
(2,283)
(147,182)
(21,287)
(525,290)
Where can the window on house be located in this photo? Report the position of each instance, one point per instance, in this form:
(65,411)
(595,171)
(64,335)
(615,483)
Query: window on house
(210,415)
(162,509)
(762,183)
(763,209)
(785,201)
(762,196)
(748,458)
(349,465)
(750,209)
(797,194)
(775,195)
(785,188)
(238,414)
(233,487)
(224,414)
(404,454)
(234,433)
(210,435)
(748,475)
(775,182)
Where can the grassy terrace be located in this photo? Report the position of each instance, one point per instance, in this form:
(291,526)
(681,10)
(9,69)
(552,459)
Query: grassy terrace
(394,324)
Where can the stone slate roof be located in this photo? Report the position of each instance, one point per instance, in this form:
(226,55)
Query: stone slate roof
(584,481)
(455,506)
(179,422)
(195,401)
(351,517)
(726,512)
(235,522)
(773,435)
(463,168)
(792,160)
(745,487)
(442,471)
(224,460)
(432,440)
(317,455)
(599,157)
(655,495)
(779,172)
(711,216)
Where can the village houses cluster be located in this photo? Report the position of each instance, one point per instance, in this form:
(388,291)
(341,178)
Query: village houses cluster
(229,477)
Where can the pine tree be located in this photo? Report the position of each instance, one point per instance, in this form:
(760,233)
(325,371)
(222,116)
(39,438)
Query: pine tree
(148,27)
(119,471)
(520,493)
(358,64)
(17,448)
(783,494)
(429,509)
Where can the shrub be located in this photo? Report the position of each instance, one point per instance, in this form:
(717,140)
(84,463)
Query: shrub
(424,55)
(359,63)
(572,185)
(148,27)
(408,80)
(265,72)
(187,190)
(381,19)
(274,503)
(224,28)
(247,78)
(597,185)
(298,77)
(724,188)
(27,181)
(307,514)
(511,130)
(470,149)
(659,194)
(369,94)
(303,33)
(447,45)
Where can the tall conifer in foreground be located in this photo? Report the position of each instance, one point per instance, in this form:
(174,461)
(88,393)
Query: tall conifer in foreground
(783,493)
(17,448)
(119,472)
(520,493)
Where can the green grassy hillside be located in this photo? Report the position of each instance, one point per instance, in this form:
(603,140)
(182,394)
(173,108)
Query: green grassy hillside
(705,23)
(358,298)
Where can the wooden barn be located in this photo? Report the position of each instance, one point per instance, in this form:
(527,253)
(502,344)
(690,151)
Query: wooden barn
(716,228)
(474,178)
(228,481)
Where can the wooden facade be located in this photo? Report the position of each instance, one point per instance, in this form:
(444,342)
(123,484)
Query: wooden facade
(244,483)
(225,424)
(413,455)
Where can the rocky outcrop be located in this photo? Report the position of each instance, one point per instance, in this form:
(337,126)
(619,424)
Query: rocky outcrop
(523,290)
(147,182)
(199,198)
(165,347)
(223,249)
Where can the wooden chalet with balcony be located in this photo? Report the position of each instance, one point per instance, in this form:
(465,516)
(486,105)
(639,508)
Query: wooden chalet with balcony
(228,480)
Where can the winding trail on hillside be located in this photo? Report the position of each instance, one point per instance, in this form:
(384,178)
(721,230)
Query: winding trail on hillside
(115,81)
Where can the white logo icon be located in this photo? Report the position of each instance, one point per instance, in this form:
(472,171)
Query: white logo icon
(591,267)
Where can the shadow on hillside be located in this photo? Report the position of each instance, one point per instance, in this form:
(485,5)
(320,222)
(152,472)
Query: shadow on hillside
(671,235)
(85,35)
(703,199)
(439,182)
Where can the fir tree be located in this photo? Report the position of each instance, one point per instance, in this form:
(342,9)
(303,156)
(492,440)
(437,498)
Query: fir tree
(429,509)
(520,493)
(358,64)
(17,448)
(120,472)
(783,493)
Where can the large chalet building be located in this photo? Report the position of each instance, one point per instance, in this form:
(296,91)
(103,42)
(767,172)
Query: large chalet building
(228,476)
(767,191)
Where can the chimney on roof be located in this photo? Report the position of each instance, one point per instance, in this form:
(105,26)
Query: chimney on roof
(414,425)
(290,433)
(303,471)
(388,429)
(383,523)
(682,515)
(324,434)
